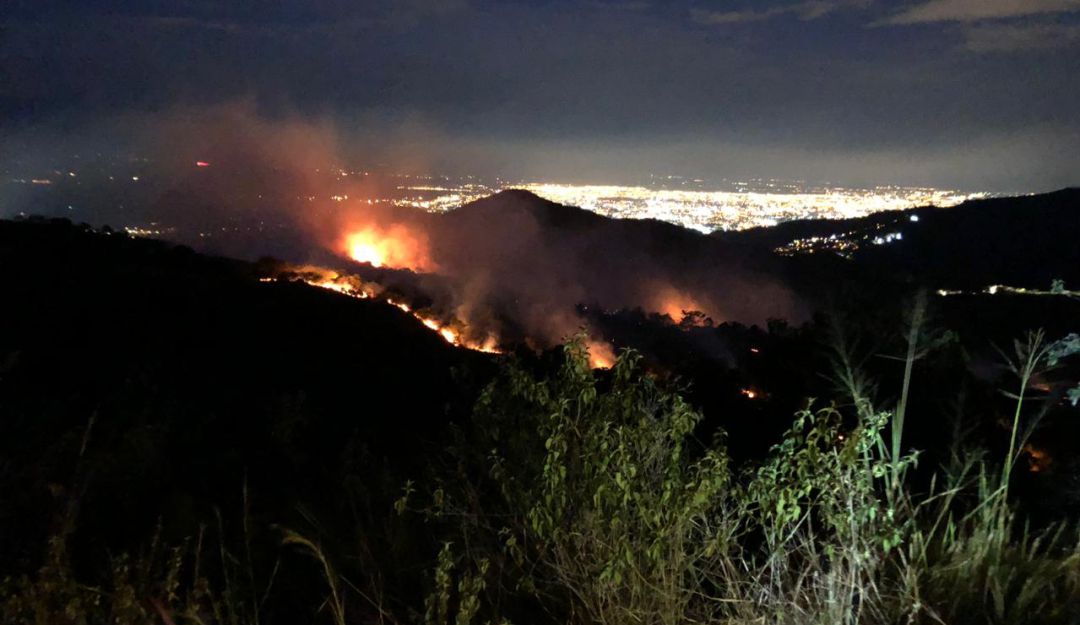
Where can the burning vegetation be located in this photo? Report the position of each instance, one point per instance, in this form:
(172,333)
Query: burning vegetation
(601,354)
(679,305)
(487,287)
(632,435)
(396,247)
(511,269)
(453,331)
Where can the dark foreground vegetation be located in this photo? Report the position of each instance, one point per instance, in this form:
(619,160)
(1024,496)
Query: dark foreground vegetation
(180,443)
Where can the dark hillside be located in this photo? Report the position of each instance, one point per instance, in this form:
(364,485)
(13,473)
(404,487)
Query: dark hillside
(1020,241)
(142,383)
(194,376)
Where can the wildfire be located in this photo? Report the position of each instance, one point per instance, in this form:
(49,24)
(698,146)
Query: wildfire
(396,247)
(353,287)
(490,345)
(341,287)
(674,303)
(448,334)
(601,355)
(1038,460)
(675,310)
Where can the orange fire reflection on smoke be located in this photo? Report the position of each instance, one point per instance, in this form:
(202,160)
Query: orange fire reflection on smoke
(395,247)
(670,301)
(601,355)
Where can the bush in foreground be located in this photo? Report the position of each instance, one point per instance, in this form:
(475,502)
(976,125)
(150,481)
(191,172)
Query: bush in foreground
(586,500)
(592,498)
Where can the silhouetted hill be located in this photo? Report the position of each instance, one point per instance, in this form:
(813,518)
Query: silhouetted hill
(1027,240)
(520,237)
(191,351)
(1023,241)
(545,212)
(660,238)
(142,383)
(187,376)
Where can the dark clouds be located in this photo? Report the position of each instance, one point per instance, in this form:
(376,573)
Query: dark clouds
(945,92)
(977,10)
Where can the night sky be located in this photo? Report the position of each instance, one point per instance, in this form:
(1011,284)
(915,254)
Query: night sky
(973,94)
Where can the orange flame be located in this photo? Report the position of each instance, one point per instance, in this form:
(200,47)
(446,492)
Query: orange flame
(490,345)
(601,355)
(1038,460)
(352,286)
(396,247)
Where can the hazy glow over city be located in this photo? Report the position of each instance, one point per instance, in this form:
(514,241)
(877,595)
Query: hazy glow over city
(708,211)
(701,205)
(749,205)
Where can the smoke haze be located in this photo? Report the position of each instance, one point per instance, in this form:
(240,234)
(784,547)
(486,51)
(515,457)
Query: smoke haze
(512,265)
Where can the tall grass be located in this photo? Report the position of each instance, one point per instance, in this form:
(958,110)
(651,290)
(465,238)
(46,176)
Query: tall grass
(616,513)
(590,498)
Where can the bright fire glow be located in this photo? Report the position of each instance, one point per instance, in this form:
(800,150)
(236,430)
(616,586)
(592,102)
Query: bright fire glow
(670,301)
(341,287)
(601,355)
(490,345)
(448,334)
(353,287)
(364,252)
(396,247)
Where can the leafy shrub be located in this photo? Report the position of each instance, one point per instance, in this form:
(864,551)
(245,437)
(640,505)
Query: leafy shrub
(590,498)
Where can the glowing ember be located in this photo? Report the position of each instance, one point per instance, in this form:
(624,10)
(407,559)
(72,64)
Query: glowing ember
(202,164)
(749,393)
(1038,460)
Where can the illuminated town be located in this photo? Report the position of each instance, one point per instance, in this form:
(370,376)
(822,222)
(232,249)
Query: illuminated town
(756,206)
(692,203)
(845,244)
(743,205)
